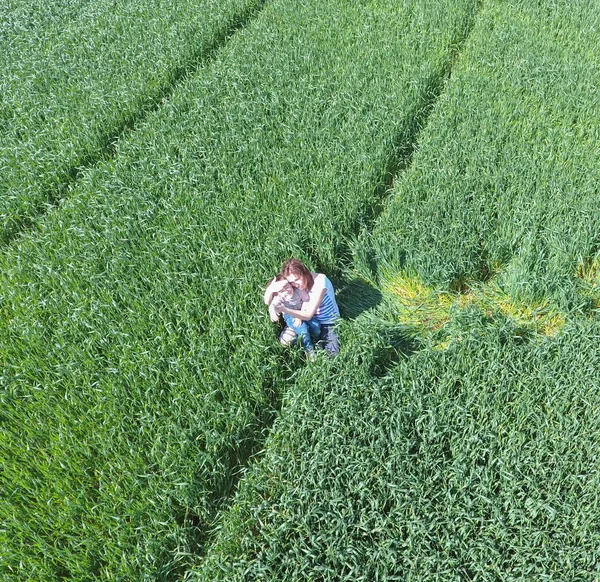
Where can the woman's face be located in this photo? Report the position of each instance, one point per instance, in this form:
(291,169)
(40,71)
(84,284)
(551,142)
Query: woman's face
(295,281)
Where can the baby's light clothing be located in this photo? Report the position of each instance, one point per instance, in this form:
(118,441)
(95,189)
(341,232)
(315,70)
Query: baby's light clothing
(294,302)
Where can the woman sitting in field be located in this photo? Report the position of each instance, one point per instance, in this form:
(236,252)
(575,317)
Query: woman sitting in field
(320,311)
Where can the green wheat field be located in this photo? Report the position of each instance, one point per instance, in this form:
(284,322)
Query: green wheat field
(439,161)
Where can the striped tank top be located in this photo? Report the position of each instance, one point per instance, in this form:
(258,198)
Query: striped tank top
(328,312)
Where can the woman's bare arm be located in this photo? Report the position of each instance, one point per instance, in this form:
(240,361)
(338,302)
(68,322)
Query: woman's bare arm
(309,307)
(273,287)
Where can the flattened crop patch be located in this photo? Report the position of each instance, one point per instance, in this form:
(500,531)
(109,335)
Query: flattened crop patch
(422,306)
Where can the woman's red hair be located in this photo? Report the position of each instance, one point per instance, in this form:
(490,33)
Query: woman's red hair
(298,269)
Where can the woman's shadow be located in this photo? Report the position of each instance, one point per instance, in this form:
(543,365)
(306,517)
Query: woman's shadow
(396,341)
(356,296)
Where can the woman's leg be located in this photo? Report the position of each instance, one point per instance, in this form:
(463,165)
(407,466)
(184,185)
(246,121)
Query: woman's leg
(314,327)
(330,339)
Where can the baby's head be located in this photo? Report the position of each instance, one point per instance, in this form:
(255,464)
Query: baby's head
(287,291)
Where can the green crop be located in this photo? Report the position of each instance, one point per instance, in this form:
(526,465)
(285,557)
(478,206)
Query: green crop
(477,462)
(74,76)
(504,184)
(468,452)
(35,18)
(138,364)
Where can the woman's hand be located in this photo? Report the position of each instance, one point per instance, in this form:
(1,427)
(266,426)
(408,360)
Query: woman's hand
(273,287)
(309,307)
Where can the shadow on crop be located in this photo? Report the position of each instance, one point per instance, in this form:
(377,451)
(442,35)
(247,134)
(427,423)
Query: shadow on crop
(397,343)
(356,296)
(405,143)
(197,531)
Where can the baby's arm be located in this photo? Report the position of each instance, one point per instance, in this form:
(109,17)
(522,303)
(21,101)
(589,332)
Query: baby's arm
(273,309)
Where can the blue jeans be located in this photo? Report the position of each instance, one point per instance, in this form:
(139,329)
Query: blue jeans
(304,330)
(328,337)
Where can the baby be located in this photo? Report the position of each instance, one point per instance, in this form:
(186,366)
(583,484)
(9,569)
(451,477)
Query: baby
(291,298)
